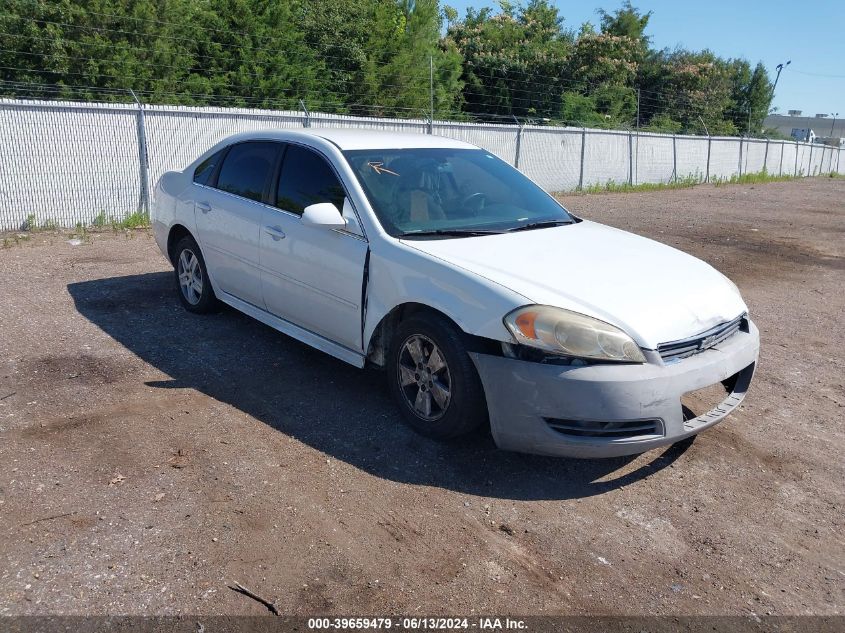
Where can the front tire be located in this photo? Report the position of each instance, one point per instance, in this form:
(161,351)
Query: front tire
(195,291)
(433,379)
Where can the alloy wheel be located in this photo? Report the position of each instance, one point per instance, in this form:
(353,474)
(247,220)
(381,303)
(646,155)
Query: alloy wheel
(424,377)
(190,276)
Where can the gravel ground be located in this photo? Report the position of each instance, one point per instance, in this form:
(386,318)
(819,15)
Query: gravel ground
(150,457)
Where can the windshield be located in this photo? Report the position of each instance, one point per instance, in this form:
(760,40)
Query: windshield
(441,192)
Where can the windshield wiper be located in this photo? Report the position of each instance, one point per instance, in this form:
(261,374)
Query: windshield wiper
(542,224)
(450,232)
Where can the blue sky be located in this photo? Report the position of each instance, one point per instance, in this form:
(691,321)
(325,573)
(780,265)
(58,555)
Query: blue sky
(810,33)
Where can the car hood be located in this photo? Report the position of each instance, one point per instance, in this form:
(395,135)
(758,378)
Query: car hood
(653,292)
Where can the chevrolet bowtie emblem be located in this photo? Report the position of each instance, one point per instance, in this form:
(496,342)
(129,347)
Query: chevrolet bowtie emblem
(706,342)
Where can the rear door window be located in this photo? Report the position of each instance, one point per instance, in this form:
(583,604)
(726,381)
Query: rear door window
(247,167)
(305,179)
(205,169)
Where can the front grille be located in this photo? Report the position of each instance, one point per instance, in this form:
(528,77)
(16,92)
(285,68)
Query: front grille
(605,430)
(677,350)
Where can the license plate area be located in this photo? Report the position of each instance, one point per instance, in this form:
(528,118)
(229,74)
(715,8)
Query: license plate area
(701,401)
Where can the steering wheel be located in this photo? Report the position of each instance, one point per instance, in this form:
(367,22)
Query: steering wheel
(474,201)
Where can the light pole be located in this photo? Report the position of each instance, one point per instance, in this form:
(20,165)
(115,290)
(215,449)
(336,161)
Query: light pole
(780,68)
(832,125)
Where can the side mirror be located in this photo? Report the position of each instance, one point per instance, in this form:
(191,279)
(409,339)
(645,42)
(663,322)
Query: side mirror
(323,214)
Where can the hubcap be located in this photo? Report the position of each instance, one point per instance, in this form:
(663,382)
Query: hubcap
(424,378)
(190,276)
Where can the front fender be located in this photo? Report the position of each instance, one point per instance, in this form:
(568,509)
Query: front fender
(399,274)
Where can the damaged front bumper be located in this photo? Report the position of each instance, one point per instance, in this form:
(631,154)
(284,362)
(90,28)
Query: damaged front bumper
(609,410)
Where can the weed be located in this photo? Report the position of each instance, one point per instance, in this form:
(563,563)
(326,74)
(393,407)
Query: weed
(15,239)
(696,179)
(754,178)
(615,187)
(137,220)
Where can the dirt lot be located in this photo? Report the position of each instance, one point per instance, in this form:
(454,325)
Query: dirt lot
(148,457)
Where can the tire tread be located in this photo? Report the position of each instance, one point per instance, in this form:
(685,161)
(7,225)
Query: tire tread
(468,408)
(208,301)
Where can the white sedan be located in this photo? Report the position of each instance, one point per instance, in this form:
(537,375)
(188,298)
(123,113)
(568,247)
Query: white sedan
(482,297)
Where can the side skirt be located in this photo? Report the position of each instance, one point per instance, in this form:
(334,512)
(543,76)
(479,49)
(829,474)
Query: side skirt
(294,331)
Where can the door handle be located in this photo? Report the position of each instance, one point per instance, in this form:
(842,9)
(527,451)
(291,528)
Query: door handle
(275,232)
(204,207)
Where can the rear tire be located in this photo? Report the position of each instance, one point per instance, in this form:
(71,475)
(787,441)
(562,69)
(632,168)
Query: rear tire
(433,379)
(195,291)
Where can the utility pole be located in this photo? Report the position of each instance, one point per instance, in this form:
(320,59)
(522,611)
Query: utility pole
(637,156)
(306,122)
(638,111)
(780,68)
(143,155)
(431,93)
(709,148)
(583,145)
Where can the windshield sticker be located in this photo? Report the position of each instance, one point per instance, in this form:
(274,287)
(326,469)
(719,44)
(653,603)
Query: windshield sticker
(379,169)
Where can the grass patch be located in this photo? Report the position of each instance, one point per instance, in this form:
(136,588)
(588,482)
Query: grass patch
(697,179)
(15,239)
(32,225)
(623,187)
(100,219)
(83,230)
(135,220)
(754,178)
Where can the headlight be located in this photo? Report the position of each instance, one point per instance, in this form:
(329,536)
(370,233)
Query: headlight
(563,332)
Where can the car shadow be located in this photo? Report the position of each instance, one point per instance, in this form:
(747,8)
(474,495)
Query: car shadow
(345,412)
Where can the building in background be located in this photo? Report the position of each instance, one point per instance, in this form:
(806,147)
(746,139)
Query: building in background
(821,128)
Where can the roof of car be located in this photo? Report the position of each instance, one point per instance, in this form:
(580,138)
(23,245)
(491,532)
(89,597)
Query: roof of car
(352,138)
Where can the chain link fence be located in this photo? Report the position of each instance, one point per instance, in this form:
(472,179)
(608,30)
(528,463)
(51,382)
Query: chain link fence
(64,163)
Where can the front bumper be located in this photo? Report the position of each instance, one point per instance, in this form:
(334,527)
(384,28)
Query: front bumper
(529,403)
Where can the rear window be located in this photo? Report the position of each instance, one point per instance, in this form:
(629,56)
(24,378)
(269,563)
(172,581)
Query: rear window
(246,168)
(203,172)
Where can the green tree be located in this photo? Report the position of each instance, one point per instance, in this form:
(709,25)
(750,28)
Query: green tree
(685,91)
(757,93)
(513,61)
(604,65)
(373,57)
(402,47)
(450,14)
(626,21)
